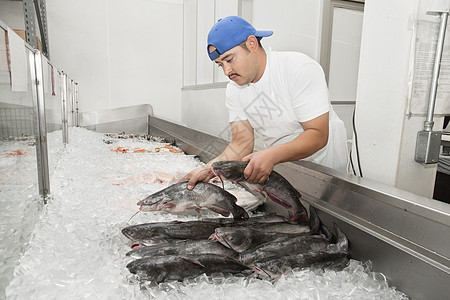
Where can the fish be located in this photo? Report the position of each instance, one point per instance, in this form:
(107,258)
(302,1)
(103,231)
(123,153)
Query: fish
(177,198)
(184,247)
(276,187)
(262,219)
(178,267)
(285,246)
(170,230)
(334,256)
(242,238)
(154,233)
(274,267)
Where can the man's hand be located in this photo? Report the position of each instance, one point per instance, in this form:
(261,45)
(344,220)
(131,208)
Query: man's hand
(202,173)
(260,165)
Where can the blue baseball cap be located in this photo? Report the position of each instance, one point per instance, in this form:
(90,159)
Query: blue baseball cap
(229,32)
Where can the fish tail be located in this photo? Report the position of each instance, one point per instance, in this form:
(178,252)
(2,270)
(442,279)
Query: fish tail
(314,221)
(342,240)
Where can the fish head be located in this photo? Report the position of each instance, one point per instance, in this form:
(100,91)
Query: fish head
(163,197)
(229,170)
(161,202)
(147,269)
(130,232)
(237,239)
(268,269)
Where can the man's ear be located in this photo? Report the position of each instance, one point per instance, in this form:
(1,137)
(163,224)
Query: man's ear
(252,43)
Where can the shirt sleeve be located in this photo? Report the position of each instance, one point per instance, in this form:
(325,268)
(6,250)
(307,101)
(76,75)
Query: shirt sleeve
(309,92)
(235,108)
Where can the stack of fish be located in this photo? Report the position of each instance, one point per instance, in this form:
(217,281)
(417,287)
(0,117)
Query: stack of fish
(263,246)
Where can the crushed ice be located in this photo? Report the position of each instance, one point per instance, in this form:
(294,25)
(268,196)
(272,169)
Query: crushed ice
(77,251)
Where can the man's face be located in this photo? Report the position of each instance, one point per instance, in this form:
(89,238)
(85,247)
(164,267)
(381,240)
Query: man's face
(237,64)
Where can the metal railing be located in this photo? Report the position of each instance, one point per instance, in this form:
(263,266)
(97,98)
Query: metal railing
(24,114)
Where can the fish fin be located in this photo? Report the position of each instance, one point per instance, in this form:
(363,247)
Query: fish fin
(219,210)
(342,240)
(278,200)
(192,260)
(314,221)
(326,232)
(297,214)
(251,186)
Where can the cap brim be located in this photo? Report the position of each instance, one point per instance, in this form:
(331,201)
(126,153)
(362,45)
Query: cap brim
(263,33)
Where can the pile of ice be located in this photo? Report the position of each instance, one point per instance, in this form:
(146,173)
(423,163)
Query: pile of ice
(77,250)
(19,203)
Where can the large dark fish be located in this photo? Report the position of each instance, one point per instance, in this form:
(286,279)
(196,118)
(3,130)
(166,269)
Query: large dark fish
(161,268)
(177,198)
(285,246)
(241,238)
(276,187)
(184,247)
(273,268)
(162,232)
(170,230)
(334,256)
(263,219)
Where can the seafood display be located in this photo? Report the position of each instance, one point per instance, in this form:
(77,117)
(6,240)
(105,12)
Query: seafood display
(262,247)
(77,250)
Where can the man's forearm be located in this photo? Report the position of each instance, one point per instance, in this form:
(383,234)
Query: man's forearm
(306,144)
(234,151)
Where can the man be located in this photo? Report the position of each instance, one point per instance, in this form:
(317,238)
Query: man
(281,95)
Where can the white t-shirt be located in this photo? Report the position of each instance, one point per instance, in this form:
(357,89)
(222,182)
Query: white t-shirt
(292,90)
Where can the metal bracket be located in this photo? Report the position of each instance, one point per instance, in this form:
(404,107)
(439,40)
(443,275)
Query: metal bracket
(29,9)
(30,26)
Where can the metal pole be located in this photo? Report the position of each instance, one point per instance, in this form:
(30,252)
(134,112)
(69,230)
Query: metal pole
(428,124)
(77,113)
(72,103)
(428,142)
(36,76)
(63,88)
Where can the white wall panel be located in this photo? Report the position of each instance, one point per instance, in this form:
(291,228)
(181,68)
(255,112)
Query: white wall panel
(344,58)
(190,42)
(120,53)
(386,135)
(145,55)
(296,24)
(205,20)
(78,39)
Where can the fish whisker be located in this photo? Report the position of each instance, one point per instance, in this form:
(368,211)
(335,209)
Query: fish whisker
(133,216)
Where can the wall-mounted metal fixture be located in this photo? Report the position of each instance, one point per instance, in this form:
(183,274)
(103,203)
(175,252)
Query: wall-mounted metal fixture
(428,141)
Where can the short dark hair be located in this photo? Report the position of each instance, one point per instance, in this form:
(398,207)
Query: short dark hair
(243,44)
